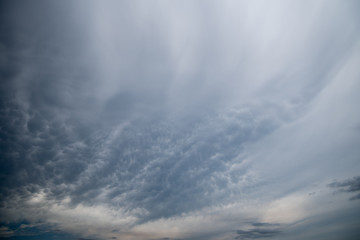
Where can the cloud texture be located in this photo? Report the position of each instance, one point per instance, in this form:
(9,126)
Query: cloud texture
(179,120)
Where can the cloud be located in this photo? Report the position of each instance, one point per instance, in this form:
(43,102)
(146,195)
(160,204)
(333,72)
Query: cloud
(181,120)
(348,185)
(351,185)
(217,149)
(355,197)
(259,230)
(5,232)
(256,233)
(262,224)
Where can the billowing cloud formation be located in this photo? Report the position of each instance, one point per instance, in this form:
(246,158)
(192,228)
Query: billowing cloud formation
(179,120)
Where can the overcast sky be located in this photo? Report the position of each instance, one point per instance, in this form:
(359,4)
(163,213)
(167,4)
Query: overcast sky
(192,120)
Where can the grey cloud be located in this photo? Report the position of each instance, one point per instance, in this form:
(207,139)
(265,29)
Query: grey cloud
(154,106)
(349,185)
(256,233)
(5,232)
(167,238)
(177,165)
(263,224)
(355,197)
(259,230)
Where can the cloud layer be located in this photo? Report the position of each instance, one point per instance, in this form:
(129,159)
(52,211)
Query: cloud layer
(179,120)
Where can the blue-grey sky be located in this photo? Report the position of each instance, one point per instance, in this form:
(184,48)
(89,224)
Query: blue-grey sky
(149,120)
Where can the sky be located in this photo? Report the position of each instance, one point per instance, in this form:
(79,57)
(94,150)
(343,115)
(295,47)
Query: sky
(179,120)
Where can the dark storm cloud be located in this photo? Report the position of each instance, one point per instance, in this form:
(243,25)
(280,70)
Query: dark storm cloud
(355,197)
(349,185)
(259,230)
(32,231)
(256,233)
(42,92)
